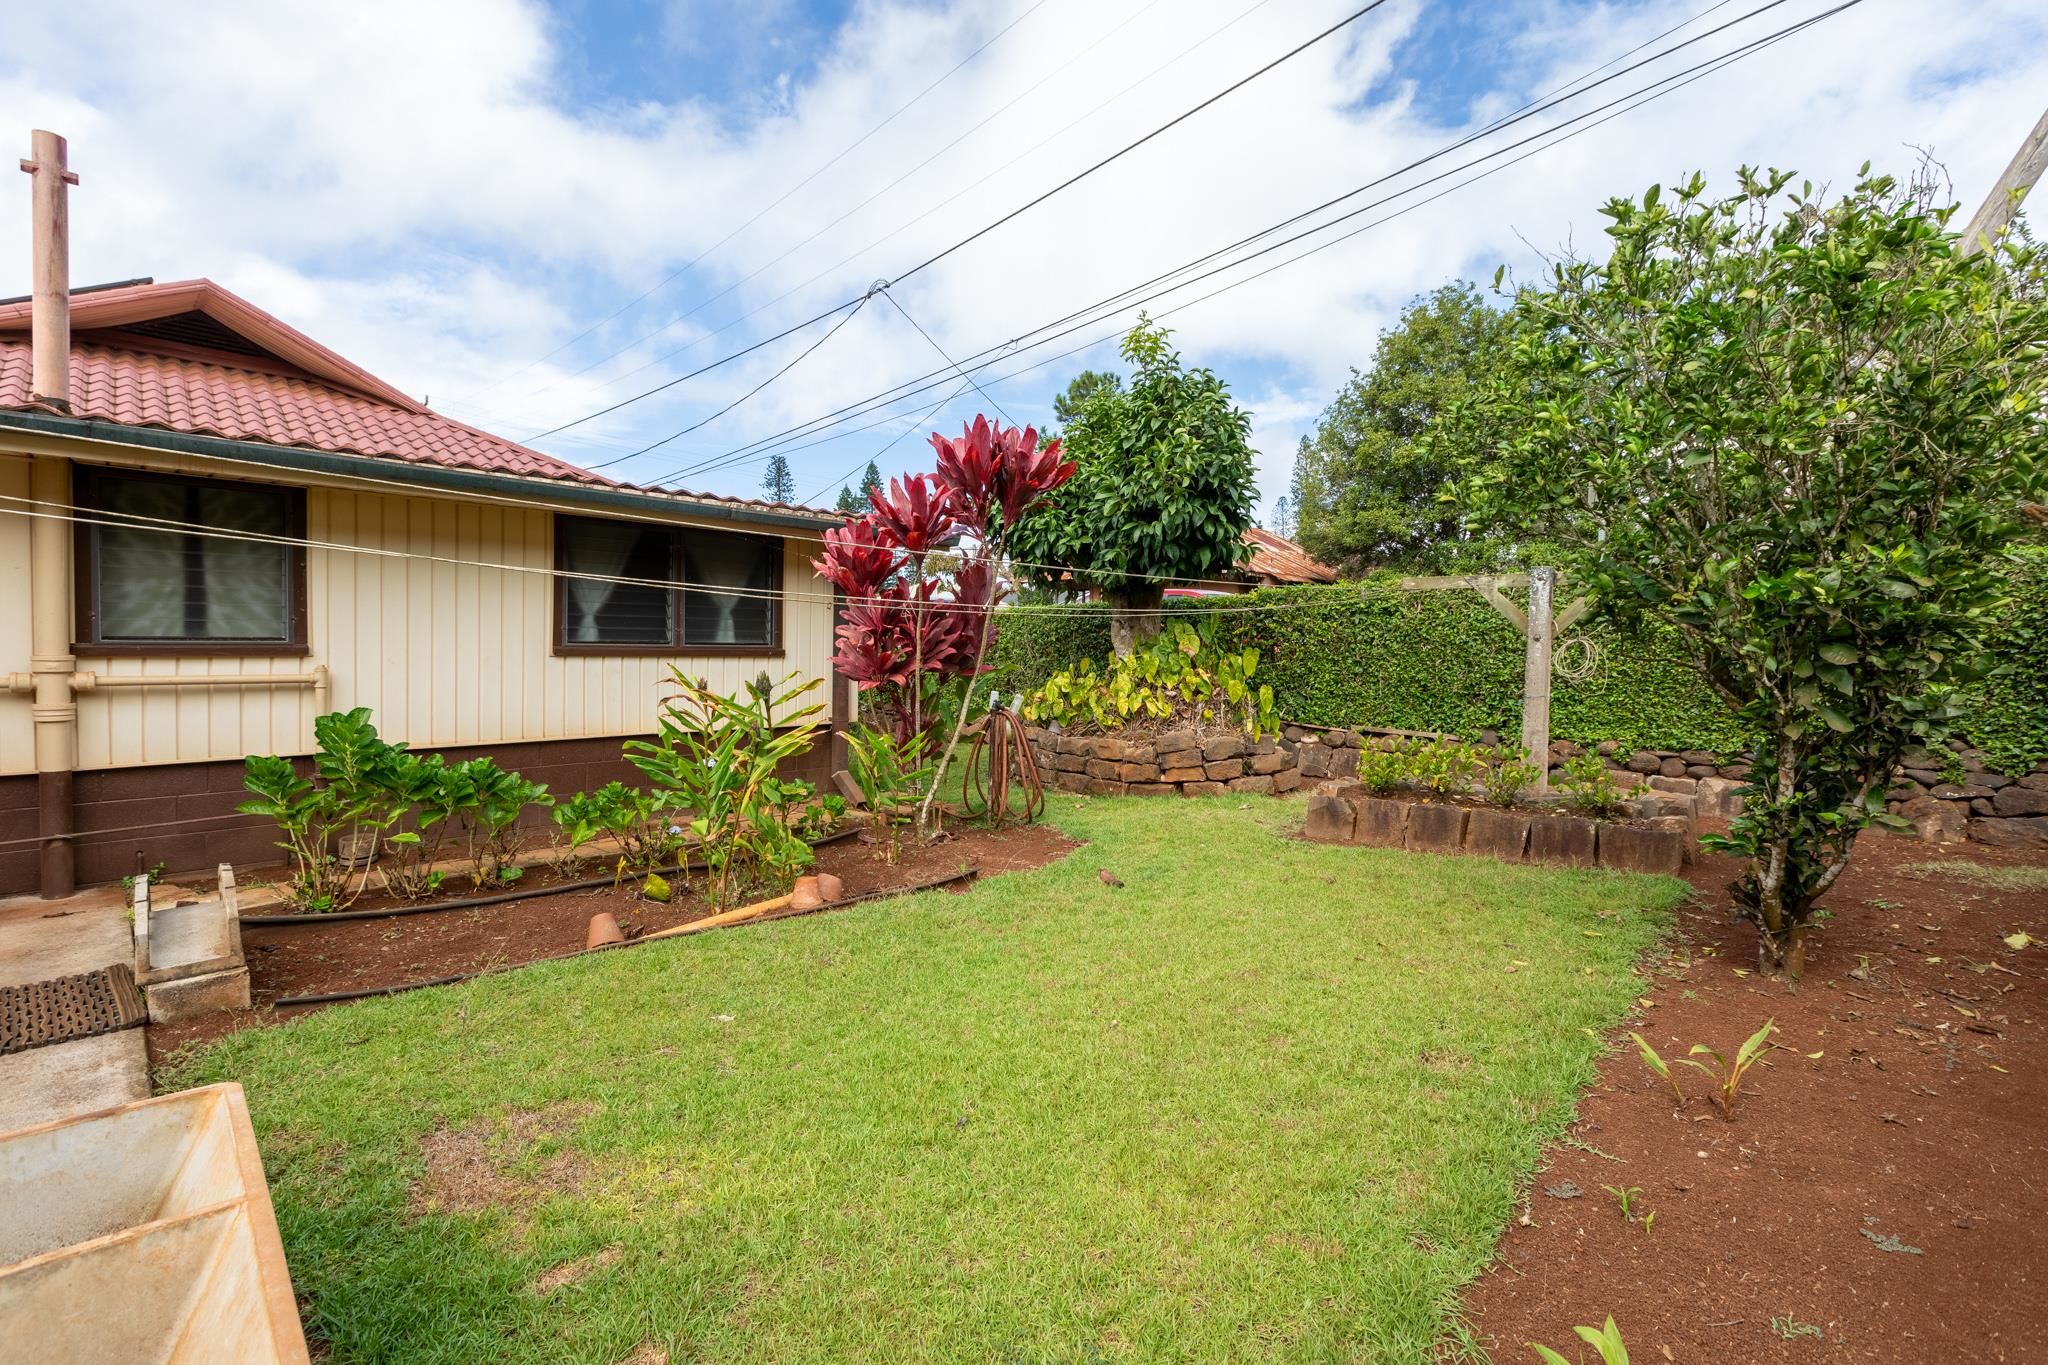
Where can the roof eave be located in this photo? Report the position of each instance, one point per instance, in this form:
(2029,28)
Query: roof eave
(429,477)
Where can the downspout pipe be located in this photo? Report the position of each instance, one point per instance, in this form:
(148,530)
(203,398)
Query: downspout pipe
(51,663)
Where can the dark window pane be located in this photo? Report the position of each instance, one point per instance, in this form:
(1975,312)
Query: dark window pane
(712,561)
(597,612)
(170,585)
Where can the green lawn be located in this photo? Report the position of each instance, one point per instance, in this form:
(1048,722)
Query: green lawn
(1271,1100)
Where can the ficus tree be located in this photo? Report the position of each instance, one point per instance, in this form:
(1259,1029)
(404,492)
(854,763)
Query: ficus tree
(921,570)
(1800,429)
(1162,491)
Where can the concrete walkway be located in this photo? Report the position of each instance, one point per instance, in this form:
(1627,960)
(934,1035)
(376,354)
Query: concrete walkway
(42,939)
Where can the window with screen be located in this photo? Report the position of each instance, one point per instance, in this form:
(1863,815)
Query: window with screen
(151,577)
(630,587)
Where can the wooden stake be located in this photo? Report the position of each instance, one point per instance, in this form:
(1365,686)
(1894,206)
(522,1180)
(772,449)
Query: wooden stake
(2020,174)
(1536,674)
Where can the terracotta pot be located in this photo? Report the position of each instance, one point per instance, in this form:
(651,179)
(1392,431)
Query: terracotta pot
(805,896)
(604,929)
(829,887)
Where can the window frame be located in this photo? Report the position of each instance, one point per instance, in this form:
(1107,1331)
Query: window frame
(679,648)
(86,480)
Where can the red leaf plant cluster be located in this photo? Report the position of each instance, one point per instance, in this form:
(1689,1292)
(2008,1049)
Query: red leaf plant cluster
(906,628)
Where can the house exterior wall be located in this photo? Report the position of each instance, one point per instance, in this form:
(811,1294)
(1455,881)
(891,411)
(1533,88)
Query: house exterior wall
(446,655)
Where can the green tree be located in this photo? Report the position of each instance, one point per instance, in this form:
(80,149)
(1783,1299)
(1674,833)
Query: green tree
(1163,491)
(850,502)
(1368,486)
(1801,432)
(778,483)
(1067,405)
(870,482)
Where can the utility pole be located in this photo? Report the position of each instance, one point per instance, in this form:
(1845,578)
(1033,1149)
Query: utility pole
(2020,175)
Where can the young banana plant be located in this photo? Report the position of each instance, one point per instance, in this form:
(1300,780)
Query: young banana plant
(1729,1078)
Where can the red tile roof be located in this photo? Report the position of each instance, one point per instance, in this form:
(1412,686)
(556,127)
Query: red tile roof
(191,357)
(1280,560)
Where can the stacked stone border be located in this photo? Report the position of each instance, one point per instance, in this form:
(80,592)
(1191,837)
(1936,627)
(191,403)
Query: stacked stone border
(1184,763)
(1662,844)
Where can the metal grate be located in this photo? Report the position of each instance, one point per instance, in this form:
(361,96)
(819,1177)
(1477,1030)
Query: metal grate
(69,1007)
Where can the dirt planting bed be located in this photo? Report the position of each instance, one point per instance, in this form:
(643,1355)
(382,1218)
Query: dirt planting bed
(320,958)
(1884,1200)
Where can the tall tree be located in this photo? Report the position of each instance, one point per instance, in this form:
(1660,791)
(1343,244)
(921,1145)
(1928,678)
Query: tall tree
(1368,489)
(778,483)
(870,483)
(1799,432)
(1283,518)
(1162,494)
(849,502)
(1067,404)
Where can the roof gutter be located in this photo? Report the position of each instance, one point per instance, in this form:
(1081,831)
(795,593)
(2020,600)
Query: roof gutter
(429,477)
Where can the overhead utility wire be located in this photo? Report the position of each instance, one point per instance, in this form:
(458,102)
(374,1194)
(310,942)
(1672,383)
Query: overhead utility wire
(1095,312)
(891,443)
(698,307)
(991,226)
(763,212)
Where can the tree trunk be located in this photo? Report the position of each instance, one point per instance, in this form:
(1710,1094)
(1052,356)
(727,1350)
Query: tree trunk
(1135,616)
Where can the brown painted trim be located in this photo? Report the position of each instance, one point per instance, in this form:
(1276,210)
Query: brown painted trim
(681,648)
(86,641)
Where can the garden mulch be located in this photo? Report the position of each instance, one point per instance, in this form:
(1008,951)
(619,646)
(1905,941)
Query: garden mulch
(1886,1200)
(317,959)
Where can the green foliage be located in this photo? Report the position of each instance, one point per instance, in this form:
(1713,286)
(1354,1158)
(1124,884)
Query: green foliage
(1068,403)
(1507,775)
(1656,1063)
(1442,766)
(890,774)
(778,484)
(1606,1340)
(1382,770)
(715,757)
(1799,432)
(303,815)
(1181,675)
(1373,655)
(1164,487)
(1369,491)
(1727,1076)
(2006,714)
(492,800)
(1590,787)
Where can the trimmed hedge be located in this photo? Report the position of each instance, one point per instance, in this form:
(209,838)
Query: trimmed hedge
(1372,654)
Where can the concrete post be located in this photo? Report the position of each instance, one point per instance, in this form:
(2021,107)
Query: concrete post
(51,665)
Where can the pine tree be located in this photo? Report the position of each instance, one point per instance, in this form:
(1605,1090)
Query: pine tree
(870,482)
(849,501)
(778,483)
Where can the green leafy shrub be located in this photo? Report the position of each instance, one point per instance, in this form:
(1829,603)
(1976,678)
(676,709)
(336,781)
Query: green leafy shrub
(1507,775)
(715,757)
(890,773)
(1383,770)
(303,815)
(1590,787)
(1443,766)
(1179,676)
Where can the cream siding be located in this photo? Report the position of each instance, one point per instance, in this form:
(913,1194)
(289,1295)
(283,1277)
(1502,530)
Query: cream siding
(444,653)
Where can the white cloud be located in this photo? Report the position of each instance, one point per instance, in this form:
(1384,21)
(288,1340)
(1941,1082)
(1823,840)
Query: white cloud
(411,183)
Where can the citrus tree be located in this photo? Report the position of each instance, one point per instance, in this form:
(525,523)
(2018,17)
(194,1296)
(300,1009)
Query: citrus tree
(1800,430)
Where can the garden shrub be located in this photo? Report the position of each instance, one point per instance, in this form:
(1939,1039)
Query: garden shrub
(1179,676)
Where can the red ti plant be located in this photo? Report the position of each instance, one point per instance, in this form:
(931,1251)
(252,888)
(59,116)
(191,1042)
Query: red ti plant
(906,628)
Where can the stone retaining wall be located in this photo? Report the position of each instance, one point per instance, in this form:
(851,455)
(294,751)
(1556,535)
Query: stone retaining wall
(1184,763)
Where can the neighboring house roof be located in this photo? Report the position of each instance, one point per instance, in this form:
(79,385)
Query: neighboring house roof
(1279,560)
(190,357)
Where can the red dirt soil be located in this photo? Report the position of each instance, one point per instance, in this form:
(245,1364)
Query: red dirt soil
(1886,1200)
(322,957)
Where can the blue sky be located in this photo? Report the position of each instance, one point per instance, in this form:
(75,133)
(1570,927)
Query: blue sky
(453,210)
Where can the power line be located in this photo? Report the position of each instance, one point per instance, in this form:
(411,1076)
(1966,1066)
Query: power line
(991,226)
(890,444)
(1110,305)
(763,212)
(740,283)
(794,362)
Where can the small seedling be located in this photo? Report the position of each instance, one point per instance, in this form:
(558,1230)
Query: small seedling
(1625,1195)
(1727,1077)
(1660,1066)
(1790,1328)
(1606,1340)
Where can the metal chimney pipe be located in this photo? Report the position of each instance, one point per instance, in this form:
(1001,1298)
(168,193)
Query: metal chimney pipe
(50,245)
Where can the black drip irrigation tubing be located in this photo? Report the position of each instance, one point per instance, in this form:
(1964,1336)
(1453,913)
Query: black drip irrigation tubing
(367,992)
(499,897)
